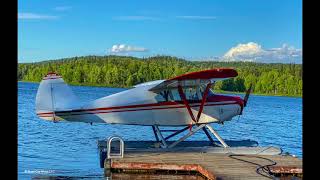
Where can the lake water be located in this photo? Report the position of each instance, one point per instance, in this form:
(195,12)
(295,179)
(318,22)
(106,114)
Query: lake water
(70,149)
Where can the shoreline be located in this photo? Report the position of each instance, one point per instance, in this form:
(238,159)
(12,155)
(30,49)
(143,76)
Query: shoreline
(216,91)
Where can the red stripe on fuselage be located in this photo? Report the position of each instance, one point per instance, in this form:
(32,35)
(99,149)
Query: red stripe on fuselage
(45,113)
(44,116)
(51,78)
(210,99)
(135,106)
(118,107)
(68,113)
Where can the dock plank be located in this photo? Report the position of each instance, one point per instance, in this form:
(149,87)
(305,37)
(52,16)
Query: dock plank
(221,165)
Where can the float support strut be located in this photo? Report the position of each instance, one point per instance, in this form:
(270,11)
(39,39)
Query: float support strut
(176,133)
(187,135)
(217,135)
(164,143)
(208,135)
(155,133)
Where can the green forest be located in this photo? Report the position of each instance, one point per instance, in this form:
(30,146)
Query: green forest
(126,71)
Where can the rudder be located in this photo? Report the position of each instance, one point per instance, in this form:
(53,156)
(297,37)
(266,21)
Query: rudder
(54,95)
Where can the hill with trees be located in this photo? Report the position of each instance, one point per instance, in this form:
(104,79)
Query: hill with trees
(126,71)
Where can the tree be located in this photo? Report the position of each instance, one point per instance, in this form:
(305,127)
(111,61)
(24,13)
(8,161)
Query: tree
(121,71)
(129,81)
(239,85)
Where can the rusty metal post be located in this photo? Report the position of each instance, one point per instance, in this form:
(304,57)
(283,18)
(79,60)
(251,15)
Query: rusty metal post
(107,167)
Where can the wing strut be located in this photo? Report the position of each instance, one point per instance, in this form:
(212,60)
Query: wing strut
(204,98)
(196,120)
(186,103)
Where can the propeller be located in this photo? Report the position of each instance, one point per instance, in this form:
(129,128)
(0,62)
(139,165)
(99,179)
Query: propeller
(246,97)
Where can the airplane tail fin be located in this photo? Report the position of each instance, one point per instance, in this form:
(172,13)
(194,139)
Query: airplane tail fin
(54,95)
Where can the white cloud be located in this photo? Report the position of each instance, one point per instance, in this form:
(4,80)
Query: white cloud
(135,18)
(62,8)
(123,48)
(250,49)
(197,17)
(35,16)
(254,52)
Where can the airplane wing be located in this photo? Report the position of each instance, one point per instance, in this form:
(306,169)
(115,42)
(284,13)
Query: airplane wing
(196,78)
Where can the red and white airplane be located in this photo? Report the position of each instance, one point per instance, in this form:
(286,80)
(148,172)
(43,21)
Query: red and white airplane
(186,100)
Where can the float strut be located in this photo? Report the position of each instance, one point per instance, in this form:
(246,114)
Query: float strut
(155,133)
(187,135)
(217,135)
(176,133)
(208,135)
(164,143)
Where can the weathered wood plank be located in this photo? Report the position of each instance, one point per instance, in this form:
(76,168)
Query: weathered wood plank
(221,165)
(210,160)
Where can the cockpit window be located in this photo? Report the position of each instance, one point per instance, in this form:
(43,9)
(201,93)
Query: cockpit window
(174,95)
(194,93)
(203,88)
(160,98)
(168,95)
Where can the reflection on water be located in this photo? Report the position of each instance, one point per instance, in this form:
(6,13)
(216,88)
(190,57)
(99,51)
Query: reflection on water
(70,149)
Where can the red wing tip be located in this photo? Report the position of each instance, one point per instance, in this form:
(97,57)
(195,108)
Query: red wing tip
(208,74)
(51,75)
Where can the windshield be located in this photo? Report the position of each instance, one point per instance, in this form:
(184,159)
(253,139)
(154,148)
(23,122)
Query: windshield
(194,93)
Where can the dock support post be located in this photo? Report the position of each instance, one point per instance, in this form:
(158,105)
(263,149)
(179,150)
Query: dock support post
(161,137)
(107,167)
(217,135)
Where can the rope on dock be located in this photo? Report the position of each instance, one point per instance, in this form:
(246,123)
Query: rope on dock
(264,168)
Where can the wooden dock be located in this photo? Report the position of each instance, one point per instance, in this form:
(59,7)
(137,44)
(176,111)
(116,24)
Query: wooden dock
(208,164)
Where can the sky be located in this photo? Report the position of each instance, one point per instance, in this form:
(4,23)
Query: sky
(246,30)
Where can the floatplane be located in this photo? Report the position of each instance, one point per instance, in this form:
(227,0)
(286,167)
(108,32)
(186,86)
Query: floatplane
(186,100)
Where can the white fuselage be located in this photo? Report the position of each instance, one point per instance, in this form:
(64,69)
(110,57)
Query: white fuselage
(139,106)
